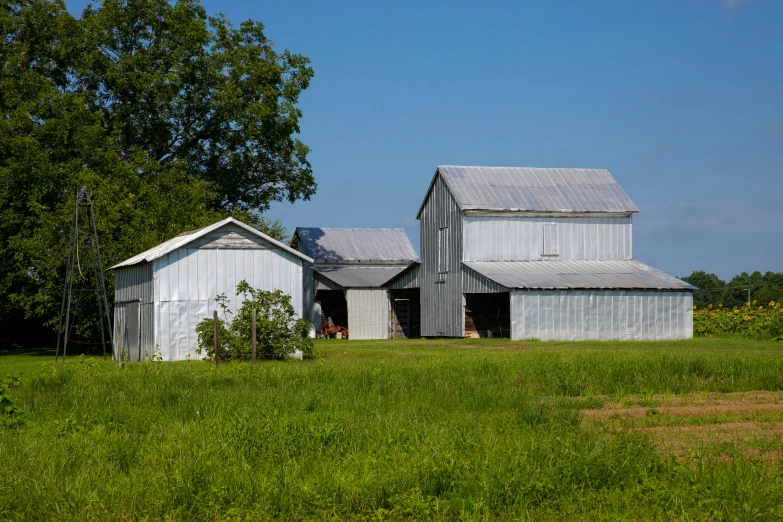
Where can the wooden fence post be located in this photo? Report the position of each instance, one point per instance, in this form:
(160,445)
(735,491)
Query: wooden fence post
(253,334)
(217,344)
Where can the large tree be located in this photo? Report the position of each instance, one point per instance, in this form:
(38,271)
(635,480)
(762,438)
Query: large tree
(171,118)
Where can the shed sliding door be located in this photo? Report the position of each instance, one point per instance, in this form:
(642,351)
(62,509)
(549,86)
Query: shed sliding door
(127,331)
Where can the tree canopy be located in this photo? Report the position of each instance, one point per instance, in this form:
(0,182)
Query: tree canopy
(172,118)
(764,288)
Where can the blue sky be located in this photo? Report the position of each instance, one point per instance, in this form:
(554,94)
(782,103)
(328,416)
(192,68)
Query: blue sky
(681,101)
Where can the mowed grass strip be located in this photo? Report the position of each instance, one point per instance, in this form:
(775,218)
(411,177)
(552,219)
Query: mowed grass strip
(397,430)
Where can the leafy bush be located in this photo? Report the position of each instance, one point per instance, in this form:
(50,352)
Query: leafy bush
(751,320)
(279,331)
(10,415)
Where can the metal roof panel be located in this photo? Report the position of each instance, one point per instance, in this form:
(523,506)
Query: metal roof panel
(536,189)
(356,244)
(619,274)
(358,276)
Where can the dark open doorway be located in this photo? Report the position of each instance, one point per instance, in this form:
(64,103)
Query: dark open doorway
(485,313)
(334,308)
(405,314)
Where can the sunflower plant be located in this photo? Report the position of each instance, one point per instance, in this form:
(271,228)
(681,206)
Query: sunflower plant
(751,320)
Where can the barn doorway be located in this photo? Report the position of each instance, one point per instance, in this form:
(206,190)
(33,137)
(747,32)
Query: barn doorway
(405,314)
(488,315)
(334,308)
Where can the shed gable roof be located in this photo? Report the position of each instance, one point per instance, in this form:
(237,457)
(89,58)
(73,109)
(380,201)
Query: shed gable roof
(188,237)
(356,244)
(522,189)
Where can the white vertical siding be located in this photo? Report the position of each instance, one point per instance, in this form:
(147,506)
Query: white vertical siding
(576,315)
(520,238)
(368,313)
(187,281)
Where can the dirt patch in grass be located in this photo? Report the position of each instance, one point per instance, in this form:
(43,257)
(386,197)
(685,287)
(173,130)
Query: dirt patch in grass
(723,432)
(745,439)
(645,411)
(701,426)
(692,404)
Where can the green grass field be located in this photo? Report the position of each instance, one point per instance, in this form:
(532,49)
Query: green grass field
(390,430)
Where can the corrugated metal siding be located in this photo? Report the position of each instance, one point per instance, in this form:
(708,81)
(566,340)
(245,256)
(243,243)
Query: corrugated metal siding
(627,274)
(407,280)
(533,189)
(175,323)
(119,328)
(134,283)
(148,348)
(368,314)
(187,282)
(475,283)
(442,313)
(517,238)
(576,315)
(355,244)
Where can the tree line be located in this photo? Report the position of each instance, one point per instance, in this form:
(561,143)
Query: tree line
(712,290)
(173,119)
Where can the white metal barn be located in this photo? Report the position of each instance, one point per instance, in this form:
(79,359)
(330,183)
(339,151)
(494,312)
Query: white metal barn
(163,293)
(351,268)
(540,253)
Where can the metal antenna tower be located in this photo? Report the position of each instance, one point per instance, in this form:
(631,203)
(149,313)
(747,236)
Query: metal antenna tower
(83,200)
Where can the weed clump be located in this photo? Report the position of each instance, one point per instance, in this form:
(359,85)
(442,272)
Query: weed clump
(12,415)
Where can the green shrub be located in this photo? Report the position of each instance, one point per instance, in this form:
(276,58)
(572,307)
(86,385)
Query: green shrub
(279,331)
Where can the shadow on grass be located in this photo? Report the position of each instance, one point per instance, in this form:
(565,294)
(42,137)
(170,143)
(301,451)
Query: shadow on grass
(48,351)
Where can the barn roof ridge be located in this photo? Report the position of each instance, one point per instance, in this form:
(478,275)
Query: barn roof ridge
(183,239)
(533,189)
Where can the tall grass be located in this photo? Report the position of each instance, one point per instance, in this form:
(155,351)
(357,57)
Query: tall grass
(385,430)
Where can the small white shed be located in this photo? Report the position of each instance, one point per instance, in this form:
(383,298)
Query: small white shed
(163,293)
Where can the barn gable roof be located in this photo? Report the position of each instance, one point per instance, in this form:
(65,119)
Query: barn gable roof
(522,189)
(590,274)
(187,237)
(389,245)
